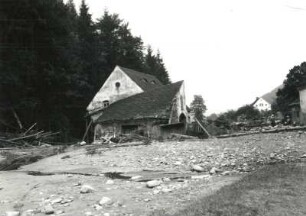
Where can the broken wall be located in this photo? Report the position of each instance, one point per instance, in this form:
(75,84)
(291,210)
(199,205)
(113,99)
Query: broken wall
(179,106)
(303,105)
(145,127)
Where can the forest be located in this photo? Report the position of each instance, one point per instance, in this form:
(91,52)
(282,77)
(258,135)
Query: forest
(53,59)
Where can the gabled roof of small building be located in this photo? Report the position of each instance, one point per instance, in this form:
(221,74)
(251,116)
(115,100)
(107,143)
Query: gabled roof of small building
(144,81)
(155,103)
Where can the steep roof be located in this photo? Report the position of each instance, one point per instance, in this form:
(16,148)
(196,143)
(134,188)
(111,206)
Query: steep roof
(270,97)
(155,103)
(144,81)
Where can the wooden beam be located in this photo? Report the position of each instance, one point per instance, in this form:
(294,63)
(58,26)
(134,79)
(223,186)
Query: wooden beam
(85,134)
(199,123)
(29,129)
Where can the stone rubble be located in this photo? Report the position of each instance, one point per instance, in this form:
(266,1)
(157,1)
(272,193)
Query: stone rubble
(201,161)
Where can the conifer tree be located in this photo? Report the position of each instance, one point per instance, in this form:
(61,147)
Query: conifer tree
(153,64)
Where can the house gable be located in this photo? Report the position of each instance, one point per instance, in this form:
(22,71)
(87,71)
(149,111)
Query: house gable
(261,104)
(117,86)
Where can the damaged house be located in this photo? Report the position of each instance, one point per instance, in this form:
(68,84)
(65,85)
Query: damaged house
(130,101)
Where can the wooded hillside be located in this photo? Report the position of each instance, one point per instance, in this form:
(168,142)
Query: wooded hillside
(54,58)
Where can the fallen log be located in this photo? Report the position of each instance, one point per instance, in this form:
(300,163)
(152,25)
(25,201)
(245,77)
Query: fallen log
(26,137)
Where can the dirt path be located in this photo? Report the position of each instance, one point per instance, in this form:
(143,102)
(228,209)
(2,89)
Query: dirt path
(61,177)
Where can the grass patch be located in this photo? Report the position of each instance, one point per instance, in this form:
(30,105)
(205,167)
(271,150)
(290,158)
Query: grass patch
(273,190)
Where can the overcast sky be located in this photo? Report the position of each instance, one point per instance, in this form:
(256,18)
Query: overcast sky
(229,51)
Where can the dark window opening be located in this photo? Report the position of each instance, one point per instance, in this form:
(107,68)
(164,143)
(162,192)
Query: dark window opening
(105,103)
(117,84)
(128,129)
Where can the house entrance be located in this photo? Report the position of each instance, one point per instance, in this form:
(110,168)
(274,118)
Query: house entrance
(182,118)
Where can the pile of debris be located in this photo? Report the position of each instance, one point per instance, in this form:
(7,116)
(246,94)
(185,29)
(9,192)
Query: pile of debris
(123,138)
(27,138)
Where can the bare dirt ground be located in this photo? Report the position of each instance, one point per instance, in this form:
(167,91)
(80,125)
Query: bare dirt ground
(53,185)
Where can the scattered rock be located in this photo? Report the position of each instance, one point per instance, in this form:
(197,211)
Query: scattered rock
(29,212)
(156,192)
(166,179)
(105,201)
(86,189)
(166,190)
(57,200)
(197,168)
(153,183)
(82,143)
(201,177)
(177,163)
(214,170)
(136,177)
(110,182)
(64,201)
(12,213)
(77,184)
(97,207)
(226,173)
(48,209)
(66,156)
(58,212)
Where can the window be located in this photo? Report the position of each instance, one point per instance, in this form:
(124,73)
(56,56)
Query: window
(117,84)
(105,103)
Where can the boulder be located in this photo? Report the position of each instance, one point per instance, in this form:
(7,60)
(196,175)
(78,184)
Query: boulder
(214,170)
(136,177)
(12,213)
(110,182)
(197,168)
(48,209)
(105,201)
(153,183)
(86,189)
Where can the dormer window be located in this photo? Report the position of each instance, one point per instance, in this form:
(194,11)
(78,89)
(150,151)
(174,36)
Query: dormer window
(117,84)
(105,103)
(145,80)
(153,82)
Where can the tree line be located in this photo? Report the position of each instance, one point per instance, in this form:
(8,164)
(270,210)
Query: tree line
(55,58)
(285,98)
(289,93)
